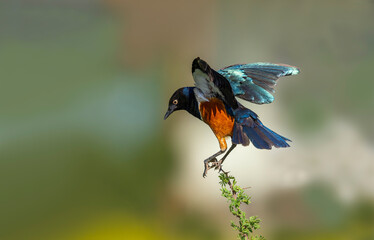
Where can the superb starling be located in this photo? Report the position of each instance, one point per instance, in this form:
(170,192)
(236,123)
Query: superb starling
(213,101)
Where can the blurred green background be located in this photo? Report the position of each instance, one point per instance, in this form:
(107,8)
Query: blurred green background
(85,154)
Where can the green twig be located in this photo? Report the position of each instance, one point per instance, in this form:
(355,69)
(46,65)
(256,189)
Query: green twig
(236,196)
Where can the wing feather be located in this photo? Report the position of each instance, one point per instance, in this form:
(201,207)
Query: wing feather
(255,82)
(212,84)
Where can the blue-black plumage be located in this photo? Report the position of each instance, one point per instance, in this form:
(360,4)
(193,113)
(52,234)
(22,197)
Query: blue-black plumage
(247,124)
(213,101)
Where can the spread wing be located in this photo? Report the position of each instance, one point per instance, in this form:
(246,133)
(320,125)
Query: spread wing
(255,82)
(211,84)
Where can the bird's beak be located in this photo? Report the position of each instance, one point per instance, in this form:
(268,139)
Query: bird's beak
(170,111)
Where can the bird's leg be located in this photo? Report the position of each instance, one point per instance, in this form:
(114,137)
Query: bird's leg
(211,159)
(218,165)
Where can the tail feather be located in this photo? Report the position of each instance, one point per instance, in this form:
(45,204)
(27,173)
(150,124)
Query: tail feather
(248,127)
(258,139)
(276,134)
(239,136)
(276,139)
(264,138)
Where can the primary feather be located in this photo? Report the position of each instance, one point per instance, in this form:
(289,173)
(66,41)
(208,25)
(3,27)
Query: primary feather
(255,82)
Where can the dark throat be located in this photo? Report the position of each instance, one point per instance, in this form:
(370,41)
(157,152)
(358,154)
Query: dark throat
(192,104)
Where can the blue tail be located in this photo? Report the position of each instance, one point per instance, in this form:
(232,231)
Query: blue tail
(247,127)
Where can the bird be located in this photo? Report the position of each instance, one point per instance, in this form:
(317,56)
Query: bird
(213,100)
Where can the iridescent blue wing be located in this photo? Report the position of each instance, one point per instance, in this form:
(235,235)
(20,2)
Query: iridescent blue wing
(255,82)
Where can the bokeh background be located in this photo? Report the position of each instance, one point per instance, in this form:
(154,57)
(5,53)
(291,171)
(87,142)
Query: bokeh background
(84,150)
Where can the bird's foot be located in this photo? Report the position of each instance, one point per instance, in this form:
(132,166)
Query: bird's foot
(208,166)
(218,166)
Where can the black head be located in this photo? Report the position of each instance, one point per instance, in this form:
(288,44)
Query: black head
(179,101)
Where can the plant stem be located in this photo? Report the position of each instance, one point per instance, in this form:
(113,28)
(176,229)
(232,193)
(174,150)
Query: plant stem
(236,196)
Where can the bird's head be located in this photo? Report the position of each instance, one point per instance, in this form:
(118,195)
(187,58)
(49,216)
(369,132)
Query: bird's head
(178,101)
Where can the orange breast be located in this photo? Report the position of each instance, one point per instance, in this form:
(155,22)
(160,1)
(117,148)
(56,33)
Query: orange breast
(215,115)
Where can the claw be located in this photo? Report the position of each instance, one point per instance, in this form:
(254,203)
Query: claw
(218,166)
(207,166)
(213,160)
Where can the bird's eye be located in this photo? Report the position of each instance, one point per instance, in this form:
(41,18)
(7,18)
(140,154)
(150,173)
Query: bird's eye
(175,102)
